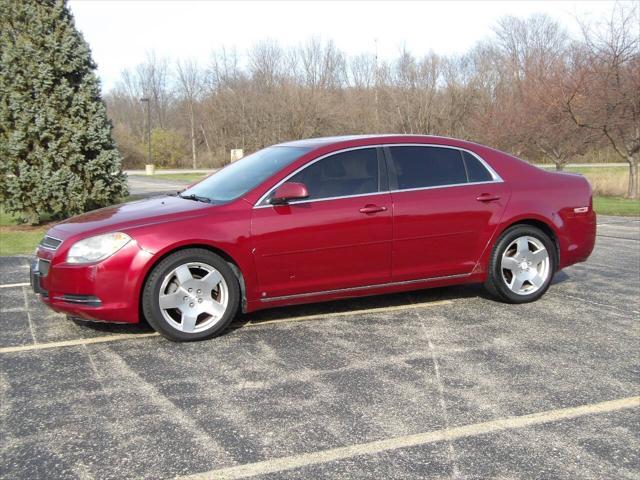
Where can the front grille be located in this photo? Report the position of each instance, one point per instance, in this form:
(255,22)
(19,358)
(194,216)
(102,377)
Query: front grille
(50,243)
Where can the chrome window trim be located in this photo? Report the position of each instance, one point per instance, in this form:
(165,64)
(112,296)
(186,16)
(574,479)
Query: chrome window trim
(298,202)
(400,190)
(496,178)
(259,203)
(50,248)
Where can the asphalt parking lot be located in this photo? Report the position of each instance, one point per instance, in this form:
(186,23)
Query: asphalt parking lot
(443,383)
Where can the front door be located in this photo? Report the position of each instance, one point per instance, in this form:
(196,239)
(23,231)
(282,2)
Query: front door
(337,238)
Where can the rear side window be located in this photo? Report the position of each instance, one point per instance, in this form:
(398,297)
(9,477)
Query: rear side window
(476,171)
(354,172)
(420,167)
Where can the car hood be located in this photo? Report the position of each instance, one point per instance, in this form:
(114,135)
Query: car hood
(129,215)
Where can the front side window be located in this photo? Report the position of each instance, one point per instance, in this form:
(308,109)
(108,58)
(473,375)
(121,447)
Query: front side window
(354,172)
(420,167)
(244,175)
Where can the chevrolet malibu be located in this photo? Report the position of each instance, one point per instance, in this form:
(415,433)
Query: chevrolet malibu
(316,220)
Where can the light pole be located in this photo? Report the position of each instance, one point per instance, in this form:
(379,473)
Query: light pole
(146,100)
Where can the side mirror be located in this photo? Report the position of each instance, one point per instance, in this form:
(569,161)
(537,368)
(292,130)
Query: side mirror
(289,191)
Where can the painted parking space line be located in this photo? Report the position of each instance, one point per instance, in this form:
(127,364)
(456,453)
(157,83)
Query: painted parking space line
(75,342)
(622,309)
(617,223)
(235,325)
(15,285)
(409,306)
(371,448)
(618,238)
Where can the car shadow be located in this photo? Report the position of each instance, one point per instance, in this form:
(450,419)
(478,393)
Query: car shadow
(333,307)
(330,308)
(560,277)
(356,305)
(128,328)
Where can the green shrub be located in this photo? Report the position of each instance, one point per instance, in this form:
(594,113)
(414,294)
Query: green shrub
(167,147)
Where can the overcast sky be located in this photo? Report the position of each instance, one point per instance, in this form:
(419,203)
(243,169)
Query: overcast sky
(121,33)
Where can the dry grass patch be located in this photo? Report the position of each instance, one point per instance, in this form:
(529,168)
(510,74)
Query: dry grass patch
(606,181)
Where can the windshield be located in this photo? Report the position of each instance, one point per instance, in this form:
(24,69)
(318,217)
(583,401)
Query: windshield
(242,176)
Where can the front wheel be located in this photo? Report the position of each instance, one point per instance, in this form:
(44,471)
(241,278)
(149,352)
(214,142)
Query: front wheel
(191,295)
(521,265)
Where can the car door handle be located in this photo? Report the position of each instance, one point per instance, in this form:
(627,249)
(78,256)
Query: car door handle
(487,197)
(372,209)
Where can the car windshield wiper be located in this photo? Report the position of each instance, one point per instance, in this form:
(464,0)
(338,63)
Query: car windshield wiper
(197,198)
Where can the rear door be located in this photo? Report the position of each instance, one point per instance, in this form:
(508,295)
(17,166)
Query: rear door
(340,237)
(447,204)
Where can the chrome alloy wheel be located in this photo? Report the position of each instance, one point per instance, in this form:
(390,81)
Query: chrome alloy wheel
(525,265)
(193,297)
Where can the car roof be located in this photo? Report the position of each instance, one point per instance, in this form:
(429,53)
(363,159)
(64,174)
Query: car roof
(499,161)
(325,141)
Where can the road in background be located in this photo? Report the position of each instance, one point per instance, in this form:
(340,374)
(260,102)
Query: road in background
(152,185)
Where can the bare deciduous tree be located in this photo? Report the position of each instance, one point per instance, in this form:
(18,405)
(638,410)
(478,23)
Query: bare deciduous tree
(529,90)
(603,91)
(190,83)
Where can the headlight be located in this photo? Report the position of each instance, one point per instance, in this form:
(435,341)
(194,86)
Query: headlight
(97,248)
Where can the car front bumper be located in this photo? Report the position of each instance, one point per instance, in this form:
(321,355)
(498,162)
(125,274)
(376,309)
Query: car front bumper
(34,277)
(107,291)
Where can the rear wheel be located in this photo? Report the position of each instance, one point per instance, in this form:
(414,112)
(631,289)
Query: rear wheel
(522,265)
(191,295)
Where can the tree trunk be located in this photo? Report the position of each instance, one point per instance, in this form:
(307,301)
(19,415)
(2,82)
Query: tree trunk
(206,142)
(193,136)
(559,166)
(632,192)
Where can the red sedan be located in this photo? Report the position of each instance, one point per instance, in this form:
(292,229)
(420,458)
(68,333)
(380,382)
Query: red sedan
(316,220)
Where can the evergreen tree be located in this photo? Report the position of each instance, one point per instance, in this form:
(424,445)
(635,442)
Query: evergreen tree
(57,155)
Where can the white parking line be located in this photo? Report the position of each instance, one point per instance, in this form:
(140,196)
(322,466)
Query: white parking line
(124,336)
(325,456)
(409,306)
(14,285)
(29,320)
(624,309)
(618,223)
(77,341)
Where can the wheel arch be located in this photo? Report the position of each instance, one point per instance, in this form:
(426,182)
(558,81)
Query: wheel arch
(232,262)
(539,223)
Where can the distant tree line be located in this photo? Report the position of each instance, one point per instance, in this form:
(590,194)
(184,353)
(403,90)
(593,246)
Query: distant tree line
(531,90)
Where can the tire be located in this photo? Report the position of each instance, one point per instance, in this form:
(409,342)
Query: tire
(522,264)
(191,295)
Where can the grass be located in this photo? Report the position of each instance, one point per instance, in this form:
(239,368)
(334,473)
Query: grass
(605,181)
(590,170)
(21,239)
(19,242)
(616,206)
(18,239)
